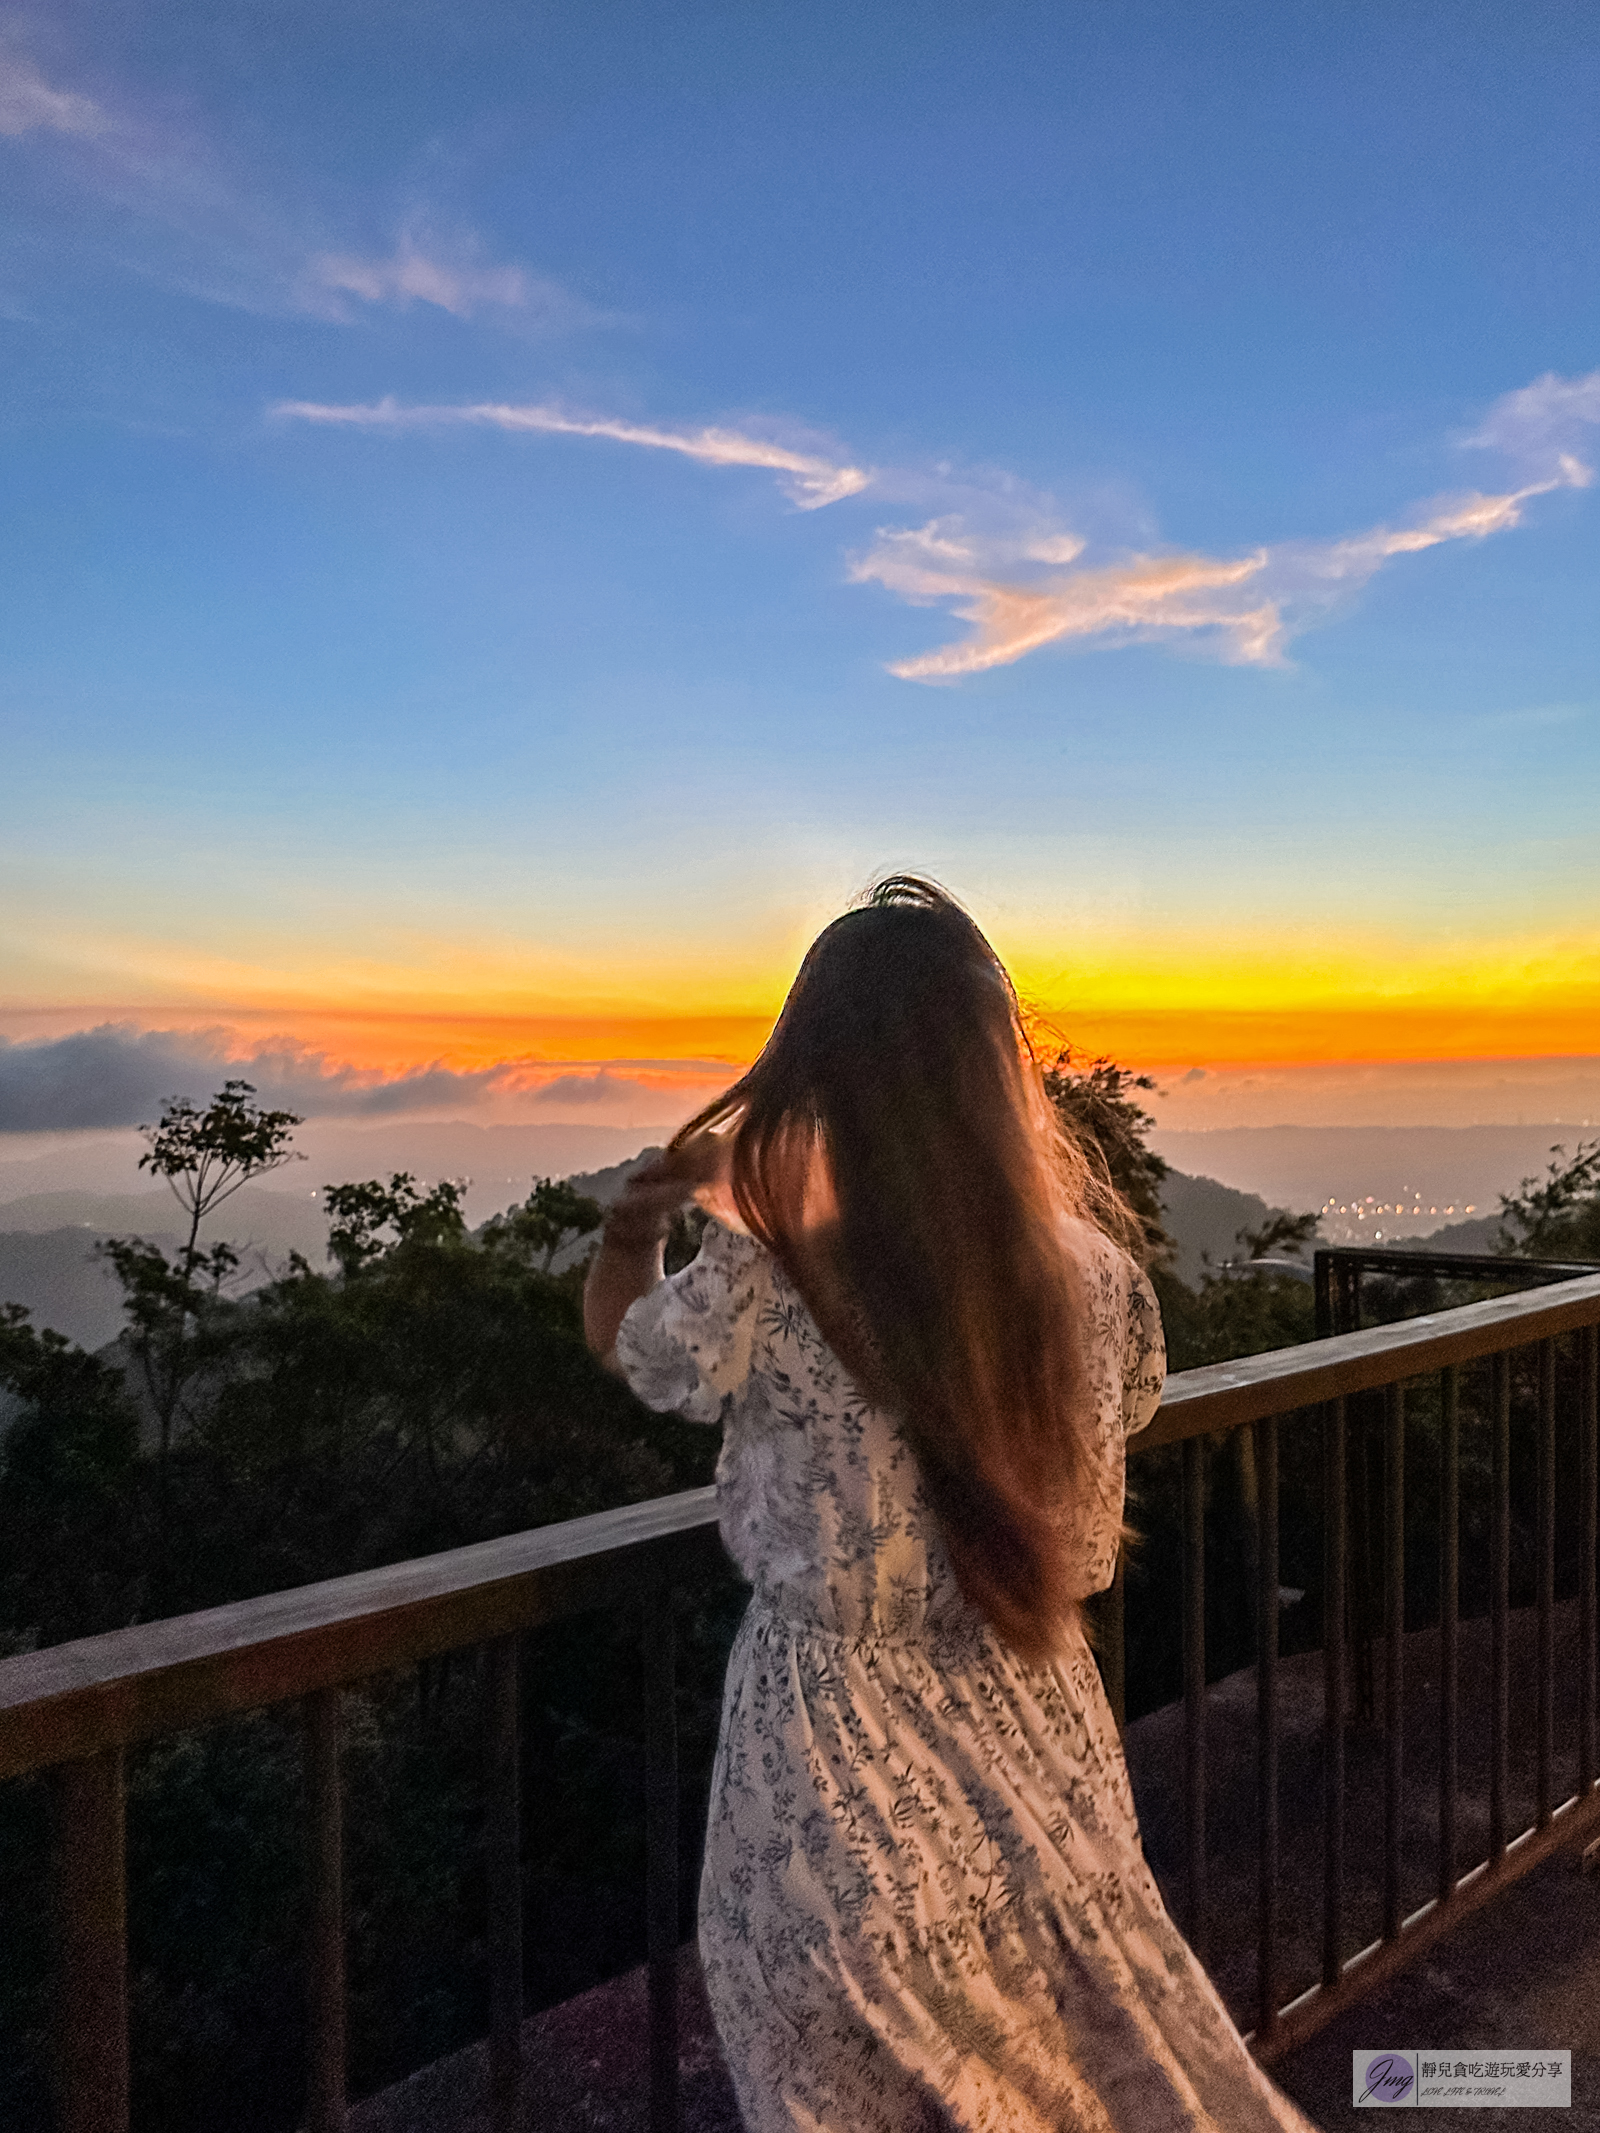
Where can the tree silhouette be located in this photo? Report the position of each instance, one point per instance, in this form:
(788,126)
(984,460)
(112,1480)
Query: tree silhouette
(204,1156)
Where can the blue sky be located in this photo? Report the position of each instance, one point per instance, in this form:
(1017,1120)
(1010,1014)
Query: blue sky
(333,693)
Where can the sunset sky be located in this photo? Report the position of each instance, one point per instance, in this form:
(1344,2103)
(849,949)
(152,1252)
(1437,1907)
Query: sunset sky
(512,515)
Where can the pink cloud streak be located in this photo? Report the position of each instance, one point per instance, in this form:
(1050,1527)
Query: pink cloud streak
(810,480)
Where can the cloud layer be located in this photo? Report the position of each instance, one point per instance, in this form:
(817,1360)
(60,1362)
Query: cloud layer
(119,1075)
(807,478)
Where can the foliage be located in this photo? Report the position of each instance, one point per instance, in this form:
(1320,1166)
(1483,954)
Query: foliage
(358,1215)
(1557,1216)
(1098,1102)
(555,1213)
(1281,1232)
(70,1504)
(205,1156)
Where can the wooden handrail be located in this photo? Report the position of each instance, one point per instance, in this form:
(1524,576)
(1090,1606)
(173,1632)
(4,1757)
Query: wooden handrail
(75,1700)
(1222,1395)
(72,1700)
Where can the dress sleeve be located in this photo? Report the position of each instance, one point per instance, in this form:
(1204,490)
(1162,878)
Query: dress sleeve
(1144,1357)
(685,1345)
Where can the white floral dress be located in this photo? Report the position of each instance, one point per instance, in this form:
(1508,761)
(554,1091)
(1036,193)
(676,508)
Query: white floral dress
(924,1902)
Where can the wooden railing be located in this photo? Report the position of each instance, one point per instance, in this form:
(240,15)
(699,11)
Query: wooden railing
(74,1710)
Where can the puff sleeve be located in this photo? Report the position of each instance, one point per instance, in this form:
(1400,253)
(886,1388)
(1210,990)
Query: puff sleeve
(685,1346)
(1144,1357)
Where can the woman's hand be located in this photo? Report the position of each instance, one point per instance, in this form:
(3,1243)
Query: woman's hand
(652,1196)
(629,1262)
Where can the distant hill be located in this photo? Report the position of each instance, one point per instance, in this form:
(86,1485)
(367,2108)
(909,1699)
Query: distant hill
(501,1160)
(1482,1234)
(255,1218)
(54,1273)
(1434,1172)
(47,1245)
(1204,1219)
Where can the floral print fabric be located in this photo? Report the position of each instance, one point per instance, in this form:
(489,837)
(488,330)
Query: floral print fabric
(924,1902)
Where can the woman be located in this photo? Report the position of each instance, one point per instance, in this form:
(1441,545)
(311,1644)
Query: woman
(924,1902)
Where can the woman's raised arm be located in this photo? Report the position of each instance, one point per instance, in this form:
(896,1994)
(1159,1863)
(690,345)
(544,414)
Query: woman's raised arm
(629,1262)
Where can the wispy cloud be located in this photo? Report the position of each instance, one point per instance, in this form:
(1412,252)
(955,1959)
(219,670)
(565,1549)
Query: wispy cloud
(153,193)
(28,104)
(808,478)
(1248,607)
(1005,562)
(1011,619)
(1545,427)
(451,274)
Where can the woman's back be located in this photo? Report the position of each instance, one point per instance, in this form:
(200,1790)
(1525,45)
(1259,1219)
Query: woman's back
(820,1500)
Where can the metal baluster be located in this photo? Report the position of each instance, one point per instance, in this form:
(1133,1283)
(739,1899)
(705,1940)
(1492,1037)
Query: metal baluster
(1449,1619)
(1499,1608)
(503,1863)
(325,2097)
(1589,1525)
(1334,1540)
(1194,1690)
(661,1860)
(1394,1609)
(1546,1609)
(1266,1448)
(91,1902)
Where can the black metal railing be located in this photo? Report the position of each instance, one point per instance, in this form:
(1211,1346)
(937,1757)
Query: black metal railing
(74,1710)
(1337,1272)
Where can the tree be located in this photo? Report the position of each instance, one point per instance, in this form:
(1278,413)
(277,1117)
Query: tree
(205,1157)
(555,1213)
(358,1215)
(1557,1216)
(70,1503)
(1098,1102)
(1280,1233)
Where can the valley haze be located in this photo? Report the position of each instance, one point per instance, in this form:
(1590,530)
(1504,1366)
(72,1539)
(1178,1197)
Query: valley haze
(57,1199)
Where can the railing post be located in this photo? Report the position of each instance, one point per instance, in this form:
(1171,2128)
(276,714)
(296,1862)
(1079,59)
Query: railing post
(1449,1620)
(1266,1449)
(503,1864)
(661,1858)
(1334,1502)
(1363,1630)
(91,1900)
(1546,1586)
(1589,1528)
(1194,1691)
(1499,1604)
(325,2090)
(1394,1596)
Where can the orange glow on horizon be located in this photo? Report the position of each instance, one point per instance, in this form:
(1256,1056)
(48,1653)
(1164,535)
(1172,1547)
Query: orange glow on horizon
(1146,997)
(668,1052)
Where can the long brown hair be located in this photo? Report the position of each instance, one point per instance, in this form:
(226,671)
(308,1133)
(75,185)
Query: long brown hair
(900,1076)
